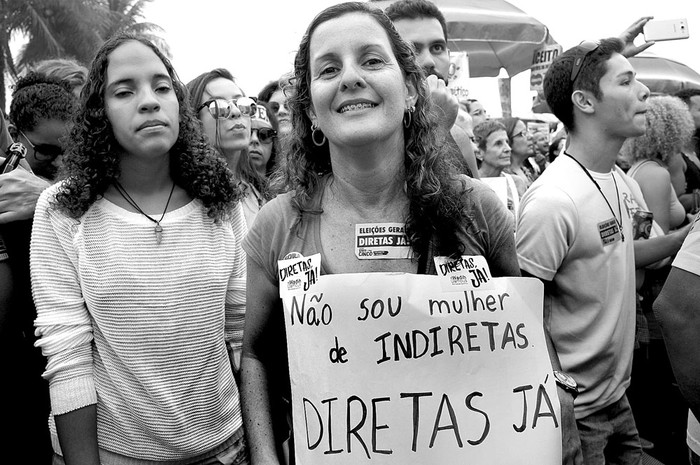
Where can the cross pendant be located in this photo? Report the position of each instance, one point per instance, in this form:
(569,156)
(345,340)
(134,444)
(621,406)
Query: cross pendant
(159,233)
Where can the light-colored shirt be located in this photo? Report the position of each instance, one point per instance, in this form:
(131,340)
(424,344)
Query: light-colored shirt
(140,328)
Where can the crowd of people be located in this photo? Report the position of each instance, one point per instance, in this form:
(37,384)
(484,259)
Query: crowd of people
(142,322)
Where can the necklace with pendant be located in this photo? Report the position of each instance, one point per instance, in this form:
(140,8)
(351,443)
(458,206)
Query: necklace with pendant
(158,229)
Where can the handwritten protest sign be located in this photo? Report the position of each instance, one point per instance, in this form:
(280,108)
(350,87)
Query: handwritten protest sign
(389,368)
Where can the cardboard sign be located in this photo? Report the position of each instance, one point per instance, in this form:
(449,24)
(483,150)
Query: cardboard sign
(388,368)
(541,60)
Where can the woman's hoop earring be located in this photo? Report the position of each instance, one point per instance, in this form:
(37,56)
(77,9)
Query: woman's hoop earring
(314,131)
(408,116)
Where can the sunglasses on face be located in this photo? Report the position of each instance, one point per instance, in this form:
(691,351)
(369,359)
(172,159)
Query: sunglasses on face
(221,108)
(44,152)
(265,135)
(275,107)
(587,47)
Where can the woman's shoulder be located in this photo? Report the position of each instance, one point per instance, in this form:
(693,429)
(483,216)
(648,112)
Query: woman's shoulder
(475,189)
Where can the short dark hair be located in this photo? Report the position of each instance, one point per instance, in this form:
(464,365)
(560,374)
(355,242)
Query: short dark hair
(687,94)
(416,9)
(36,97)
(558,87)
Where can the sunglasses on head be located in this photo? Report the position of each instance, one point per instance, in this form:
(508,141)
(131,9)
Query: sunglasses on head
(587,47)
(44,152)
(265,135)
(220,108)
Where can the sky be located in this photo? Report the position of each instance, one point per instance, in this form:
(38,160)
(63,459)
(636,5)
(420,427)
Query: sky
(257,39)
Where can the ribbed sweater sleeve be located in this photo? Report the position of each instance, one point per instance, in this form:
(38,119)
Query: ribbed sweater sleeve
(236,295)
(63,323)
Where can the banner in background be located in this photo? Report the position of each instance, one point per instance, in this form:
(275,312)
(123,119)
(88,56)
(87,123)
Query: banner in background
(458,79)
(541,59)
(389,368)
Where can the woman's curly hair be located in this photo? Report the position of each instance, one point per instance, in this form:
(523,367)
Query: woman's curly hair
(92,161)
(36,97)
(670,127)
(436,205)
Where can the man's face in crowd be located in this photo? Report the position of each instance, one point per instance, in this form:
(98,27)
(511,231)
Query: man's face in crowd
(428,39)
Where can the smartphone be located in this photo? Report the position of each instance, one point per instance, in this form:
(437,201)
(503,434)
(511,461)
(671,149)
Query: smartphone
(670,29)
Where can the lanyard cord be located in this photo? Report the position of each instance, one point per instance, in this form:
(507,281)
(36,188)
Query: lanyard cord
(617,193)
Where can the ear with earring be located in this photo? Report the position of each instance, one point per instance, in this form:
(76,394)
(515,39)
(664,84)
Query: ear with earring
(408,114)
(314,134)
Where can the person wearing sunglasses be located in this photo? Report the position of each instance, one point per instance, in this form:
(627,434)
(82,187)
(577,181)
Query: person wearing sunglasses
(225,114)
(273,93)
(575,233)
(40,115)
(262,150)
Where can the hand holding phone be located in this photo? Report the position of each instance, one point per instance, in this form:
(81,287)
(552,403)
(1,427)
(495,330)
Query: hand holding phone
(670,29)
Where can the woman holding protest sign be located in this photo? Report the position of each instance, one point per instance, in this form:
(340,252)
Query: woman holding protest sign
(362,152)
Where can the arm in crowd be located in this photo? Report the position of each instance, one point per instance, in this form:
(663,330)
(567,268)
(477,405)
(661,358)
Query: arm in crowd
(258,350)
(570,441)
(676,308)
(654,249)
(19,192)
(629,34)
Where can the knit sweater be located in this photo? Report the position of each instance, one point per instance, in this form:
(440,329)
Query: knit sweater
(139,328)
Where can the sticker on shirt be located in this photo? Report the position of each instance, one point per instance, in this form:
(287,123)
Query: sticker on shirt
(466,272)
(386,241)
(297,273)
(609,231)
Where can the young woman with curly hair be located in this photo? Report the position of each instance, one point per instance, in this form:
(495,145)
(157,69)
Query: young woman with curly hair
(138,275)
(363,150)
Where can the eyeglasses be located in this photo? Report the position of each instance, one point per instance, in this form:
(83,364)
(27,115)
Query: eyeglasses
(221,108)
(522,133)
(44,152)
(265,135)
(587,46)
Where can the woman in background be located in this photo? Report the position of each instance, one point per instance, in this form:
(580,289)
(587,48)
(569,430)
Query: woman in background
(494,157)
(521,151)
(225,114)
(659,410)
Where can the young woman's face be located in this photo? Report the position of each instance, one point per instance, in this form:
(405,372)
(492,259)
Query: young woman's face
(358,91)
(260,148)
(140,101)
(278,104)
(226,134)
